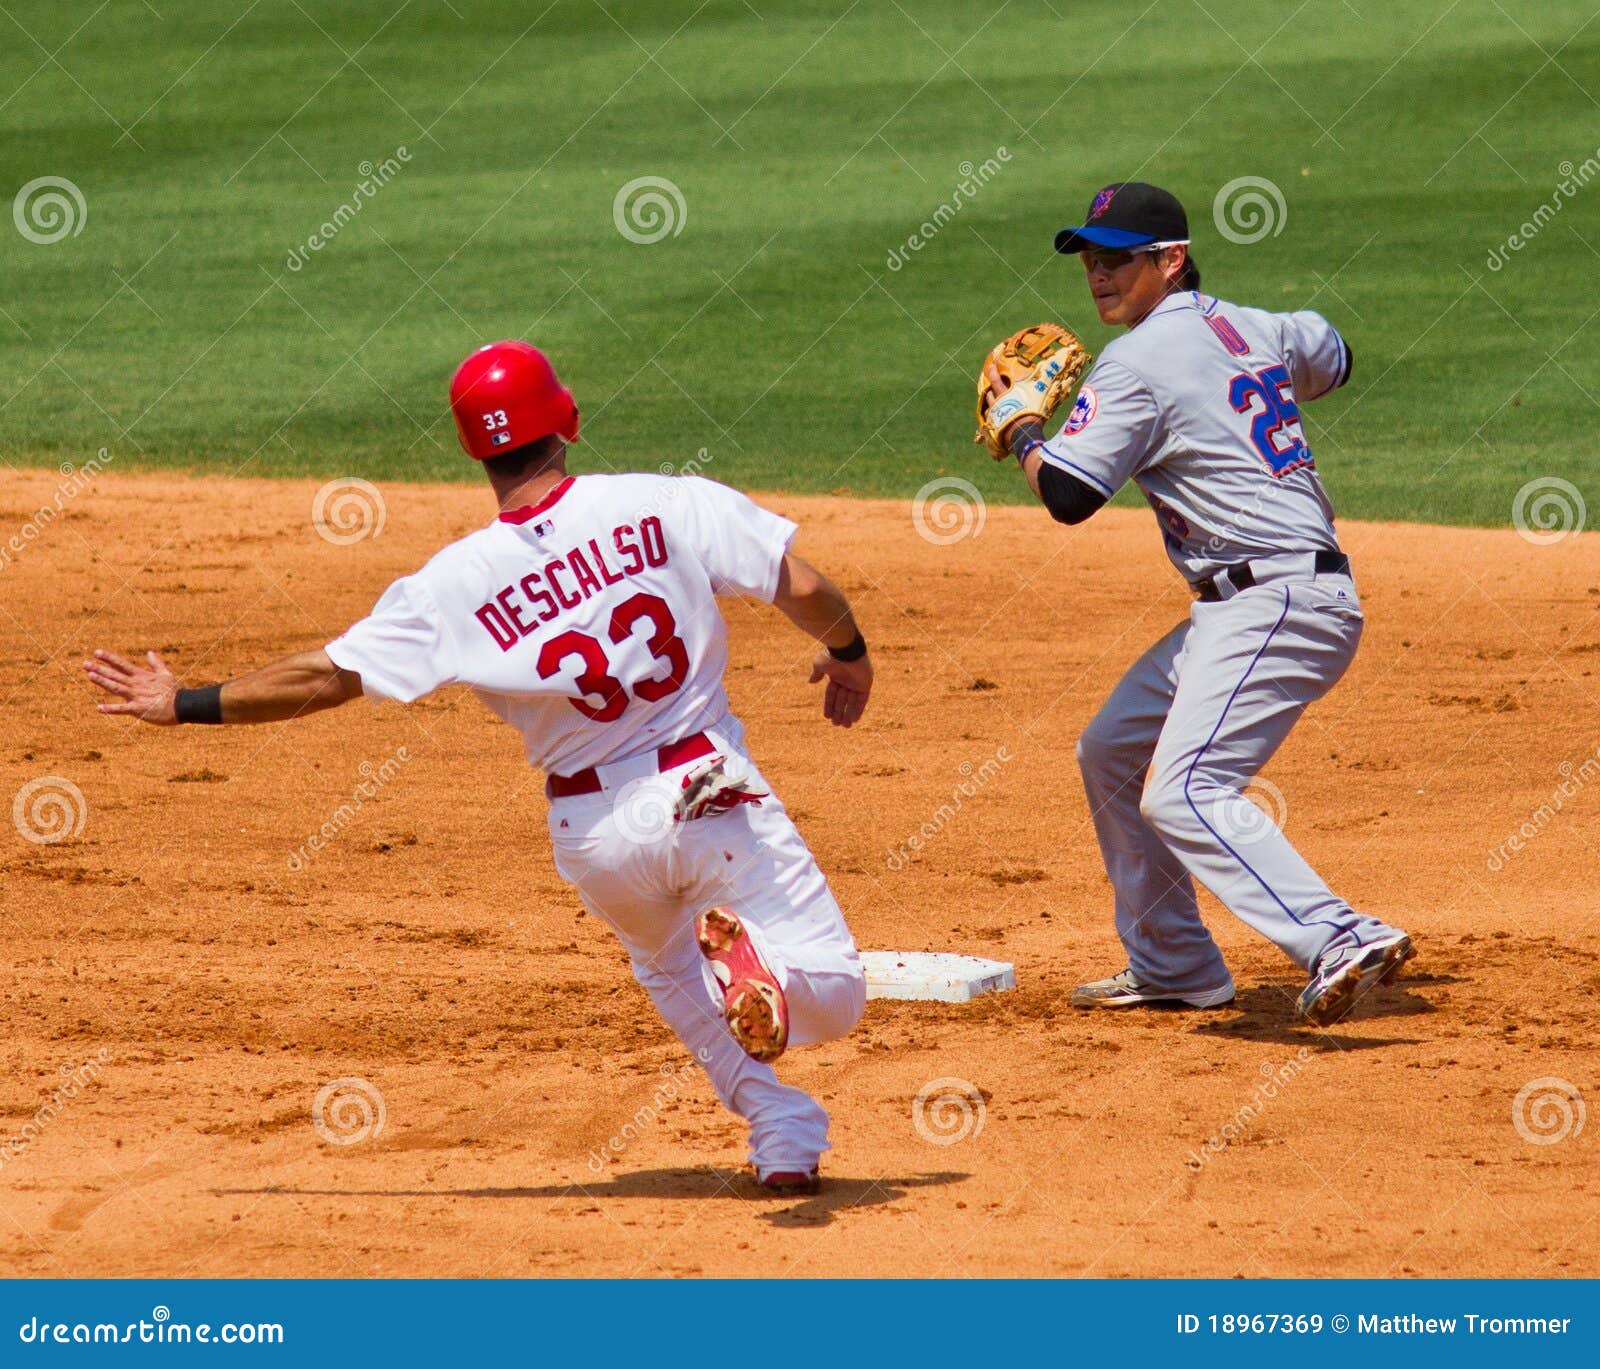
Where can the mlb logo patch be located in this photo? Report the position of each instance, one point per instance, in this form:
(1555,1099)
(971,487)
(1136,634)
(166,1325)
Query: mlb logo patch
(542,529)
(1085,409)
(500,439)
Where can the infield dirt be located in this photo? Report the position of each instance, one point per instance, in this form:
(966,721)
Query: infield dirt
(200,991)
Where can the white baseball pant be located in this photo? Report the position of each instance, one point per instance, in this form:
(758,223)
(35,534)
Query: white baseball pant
(648,877)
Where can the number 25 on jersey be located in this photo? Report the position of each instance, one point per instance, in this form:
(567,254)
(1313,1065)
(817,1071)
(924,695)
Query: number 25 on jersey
(1275,426)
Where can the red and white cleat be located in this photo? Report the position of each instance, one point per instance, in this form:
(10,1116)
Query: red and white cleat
(791,1183)
(752,999)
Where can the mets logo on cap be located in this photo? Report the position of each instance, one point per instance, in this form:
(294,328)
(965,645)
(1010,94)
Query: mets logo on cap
(1082,412)
(1102,201)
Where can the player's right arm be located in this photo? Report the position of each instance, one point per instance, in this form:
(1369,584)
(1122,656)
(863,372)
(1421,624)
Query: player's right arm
(290,687)
(398,651)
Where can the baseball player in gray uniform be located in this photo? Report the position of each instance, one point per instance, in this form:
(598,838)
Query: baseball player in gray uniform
(1197,403)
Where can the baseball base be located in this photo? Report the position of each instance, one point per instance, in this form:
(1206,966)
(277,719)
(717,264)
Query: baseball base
(934,976)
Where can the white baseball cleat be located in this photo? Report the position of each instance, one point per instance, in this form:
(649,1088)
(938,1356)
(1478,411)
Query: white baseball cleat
(1345,978)
(1125,991)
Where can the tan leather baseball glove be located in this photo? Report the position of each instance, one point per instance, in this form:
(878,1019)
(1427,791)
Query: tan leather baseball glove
(1029,375)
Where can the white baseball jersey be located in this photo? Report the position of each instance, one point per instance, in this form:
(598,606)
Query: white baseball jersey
(588,621)
(1199,406)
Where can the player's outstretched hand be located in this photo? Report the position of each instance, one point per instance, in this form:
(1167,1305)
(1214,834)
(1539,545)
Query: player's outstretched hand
(849,683)
(148,693)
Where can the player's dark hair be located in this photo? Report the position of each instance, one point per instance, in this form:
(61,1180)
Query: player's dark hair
(1189,277)
(523,460)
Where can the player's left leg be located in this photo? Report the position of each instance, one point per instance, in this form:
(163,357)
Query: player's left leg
(642,886)
(1253,664)
(788,1127)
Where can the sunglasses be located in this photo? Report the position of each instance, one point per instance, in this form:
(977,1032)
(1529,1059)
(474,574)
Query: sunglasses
(1114,258)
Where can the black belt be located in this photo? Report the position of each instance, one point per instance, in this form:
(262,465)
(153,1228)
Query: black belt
(1242,577)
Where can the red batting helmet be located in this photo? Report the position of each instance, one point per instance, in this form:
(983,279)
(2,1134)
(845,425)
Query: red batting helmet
(506,395)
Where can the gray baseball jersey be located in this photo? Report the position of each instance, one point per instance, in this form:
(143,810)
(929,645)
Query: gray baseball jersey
(1198,405)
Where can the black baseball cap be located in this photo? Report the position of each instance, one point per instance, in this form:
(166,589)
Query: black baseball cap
(1127,214)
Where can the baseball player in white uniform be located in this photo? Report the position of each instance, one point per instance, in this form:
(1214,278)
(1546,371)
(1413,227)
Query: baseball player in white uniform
(1197,403)
(585,616)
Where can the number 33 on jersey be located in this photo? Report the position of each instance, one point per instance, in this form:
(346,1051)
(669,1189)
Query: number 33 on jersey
(595,606)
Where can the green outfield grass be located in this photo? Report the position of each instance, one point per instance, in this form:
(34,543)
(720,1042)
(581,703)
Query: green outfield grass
(808,142)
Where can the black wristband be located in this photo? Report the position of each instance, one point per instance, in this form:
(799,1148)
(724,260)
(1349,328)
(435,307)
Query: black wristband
(1028,435)
(851,651)
(199,705)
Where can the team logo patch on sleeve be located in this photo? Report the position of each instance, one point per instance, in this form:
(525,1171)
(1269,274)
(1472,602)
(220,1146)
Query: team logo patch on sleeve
(1084,410)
